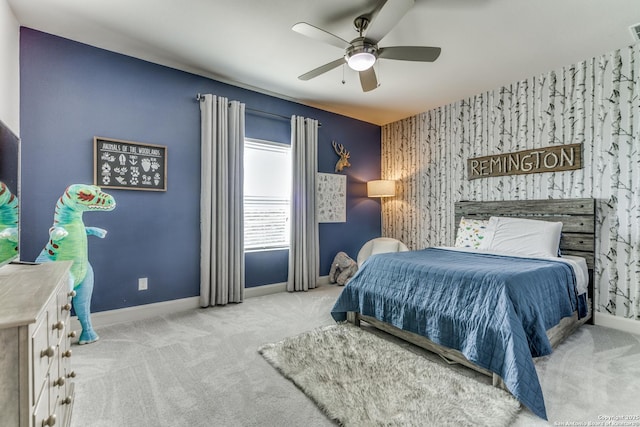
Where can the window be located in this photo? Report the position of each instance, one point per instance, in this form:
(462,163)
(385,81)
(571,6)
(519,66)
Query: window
(267,192)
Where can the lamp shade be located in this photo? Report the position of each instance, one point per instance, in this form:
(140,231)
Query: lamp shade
(381,188)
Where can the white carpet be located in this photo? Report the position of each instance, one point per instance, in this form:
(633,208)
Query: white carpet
(360,379)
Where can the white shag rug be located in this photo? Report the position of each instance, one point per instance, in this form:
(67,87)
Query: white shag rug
(360,379)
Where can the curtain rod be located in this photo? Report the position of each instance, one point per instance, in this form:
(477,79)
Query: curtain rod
(200,97)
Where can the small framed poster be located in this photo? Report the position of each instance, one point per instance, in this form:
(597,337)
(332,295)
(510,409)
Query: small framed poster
(331,197)
(129,165)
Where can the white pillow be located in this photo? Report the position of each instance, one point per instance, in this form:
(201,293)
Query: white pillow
(471,233)
(384,246)
(521,236)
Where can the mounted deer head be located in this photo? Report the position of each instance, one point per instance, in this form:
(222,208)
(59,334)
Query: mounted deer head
(344,156)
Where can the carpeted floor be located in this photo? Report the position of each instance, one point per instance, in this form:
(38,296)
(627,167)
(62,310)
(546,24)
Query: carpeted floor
(202,368)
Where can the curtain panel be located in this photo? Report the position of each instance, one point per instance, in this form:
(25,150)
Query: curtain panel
(304,260)
(221,201)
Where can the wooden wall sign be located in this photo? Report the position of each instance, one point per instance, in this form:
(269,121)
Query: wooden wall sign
(129,165)
(549,159)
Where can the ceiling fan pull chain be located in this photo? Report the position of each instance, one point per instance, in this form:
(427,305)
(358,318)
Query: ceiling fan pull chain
(343,80)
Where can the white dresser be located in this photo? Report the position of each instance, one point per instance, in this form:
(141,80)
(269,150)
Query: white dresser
(36,379)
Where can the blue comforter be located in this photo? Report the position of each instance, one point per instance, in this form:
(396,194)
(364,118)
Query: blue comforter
(494,309)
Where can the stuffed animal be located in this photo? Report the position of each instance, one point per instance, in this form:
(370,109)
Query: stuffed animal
(8,223)
(68,241)
(342,269)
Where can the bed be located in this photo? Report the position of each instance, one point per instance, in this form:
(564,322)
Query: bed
(491,311)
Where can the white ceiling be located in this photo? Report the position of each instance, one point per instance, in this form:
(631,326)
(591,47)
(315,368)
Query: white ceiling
(485,43)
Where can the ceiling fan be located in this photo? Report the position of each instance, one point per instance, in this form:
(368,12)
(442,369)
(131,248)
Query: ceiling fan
(362,52)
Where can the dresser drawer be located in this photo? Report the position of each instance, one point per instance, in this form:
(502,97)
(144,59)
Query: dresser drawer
(56,383)
(41,410)
(63,312)
(43,353)
(65,366)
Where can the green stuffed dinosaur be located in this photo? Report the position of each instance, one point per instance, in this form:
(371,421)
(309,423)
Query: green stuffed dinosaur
(8,223)
(68,242)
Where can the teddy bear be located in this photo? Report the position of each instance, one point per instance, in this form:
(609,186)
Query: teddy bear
(342,269)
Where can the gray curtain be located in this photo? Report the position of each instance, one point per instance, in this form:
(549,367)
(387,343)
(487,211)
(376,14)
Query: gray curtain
(303,252)
(221,201)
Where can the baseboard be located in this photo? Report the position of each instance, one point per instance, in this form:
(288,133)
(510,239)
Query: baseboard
(323,280)
(617,322)
(138,312)
(141,312)
(259,291)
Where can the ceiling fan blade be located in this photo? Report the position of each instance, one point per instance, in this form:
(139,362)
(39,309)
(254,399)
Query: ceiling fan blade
(410,53)
(322,69)
(320,35)
(385,17)
(368,79)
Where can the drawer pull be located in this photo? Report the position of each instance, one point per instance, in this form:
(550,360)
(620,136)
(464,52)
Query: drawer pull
(59,325)
(72,334)
(66,400)
(51,421)
(66,307)
(59,382)
(71,294)
(66,353)
(71,374)
(49,352)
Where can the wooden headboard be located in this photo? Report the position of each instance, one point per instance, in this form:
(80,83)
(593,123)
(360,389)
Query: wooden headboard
(578,217)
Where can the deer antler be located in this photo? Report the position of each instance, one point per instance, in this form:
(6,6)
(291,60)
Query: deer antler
(339,149)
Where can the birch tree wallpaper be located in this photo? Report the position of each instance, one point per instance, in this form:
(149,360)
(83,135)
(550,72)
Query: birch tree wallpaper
(595,102)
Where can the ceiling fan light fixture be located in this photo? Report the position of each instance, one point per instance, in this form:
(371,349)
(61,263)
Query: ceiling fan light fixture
(361,55)
(361,61)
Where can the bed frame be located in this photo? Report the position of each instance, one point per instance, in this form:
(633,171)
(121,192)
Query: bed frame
(578,238)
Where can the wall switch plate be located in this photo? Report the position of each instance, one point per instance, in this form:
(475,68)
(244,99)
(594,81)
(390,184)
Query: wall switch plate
(143,284)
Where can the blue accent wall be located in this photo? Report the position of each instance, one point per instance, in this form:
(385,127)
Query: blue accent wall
(71,92)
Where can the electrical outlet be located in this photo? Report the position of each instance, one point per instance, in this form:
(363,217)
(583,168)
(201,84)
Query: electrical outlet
(143,284)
